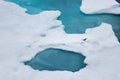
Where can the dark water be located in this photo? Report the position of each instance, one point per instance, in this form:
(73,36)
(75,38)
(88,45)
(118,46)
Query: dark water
(57,59)
(118,1)
(74,20)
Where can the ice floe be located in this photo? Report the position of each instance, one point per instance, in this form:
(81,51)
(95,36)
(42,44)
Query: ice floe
(100,6)
(23,35)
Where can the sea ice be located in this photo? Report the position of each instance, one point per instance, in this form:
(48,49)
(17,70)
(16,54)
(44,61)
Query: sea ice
(100,6)
(20,40)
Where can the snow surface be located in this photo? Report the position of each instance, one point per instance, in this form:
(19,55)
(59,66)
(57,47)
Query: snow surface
(100,6)
(23,35)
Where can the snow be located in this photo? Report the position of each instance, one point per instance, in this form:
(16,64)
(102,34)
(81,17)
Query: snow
(21,37)
(100,6)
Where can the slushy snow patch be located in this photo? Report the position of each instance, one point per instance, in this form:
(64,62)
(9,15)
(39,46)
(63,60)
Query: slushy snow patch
(23,35)
(100,6)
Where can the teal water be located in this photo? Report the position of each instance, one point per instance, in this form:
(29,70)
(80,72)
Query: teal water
(57,59)
(75,22)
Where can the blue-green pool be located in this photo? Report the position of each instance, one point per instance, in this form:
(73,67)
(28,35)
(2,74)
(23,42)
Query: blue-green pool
(57,59)
(74,20)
